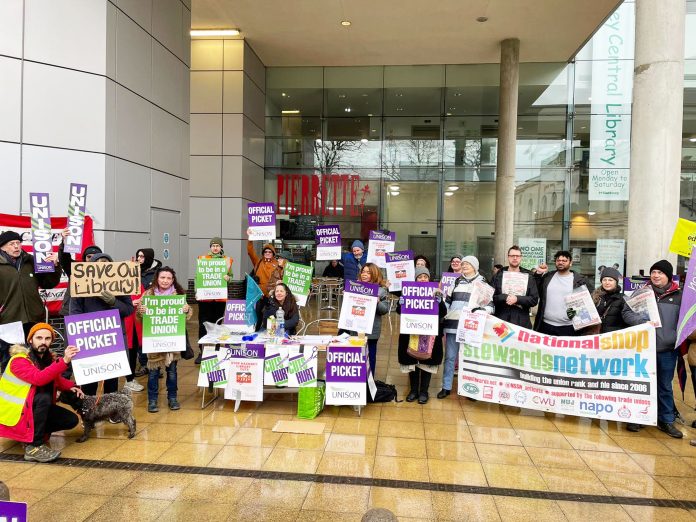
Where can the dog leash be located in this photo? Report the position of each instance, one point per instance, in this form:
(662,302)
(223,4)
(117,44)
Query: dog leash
(100,392)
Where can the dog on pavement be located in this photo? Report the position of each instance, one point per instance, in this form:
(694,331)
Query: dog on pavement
(117,407)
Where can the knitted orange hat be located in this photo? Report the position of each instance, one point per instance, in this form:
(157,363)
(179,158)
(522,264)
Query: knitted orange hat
(41,326)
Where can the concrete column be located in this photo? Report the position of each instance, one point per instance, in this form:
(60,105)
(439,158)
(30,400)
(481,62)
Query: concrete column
(656,129)
(507,138)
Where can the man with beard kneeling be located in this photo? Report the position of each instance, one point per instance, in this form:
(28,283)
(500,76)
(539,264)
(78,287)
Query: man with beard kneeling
(28,388)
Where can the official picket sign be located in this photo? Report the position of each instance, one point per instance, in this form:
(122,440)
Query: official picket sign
(346,375)
(606,376)
(262,221)
(90,279)
(245,372)
(235,316)
(419,308)
(447,281)
(299,279)
(328,242)
(41,232)
(77,207)
(379,244)
(400,268)
(99,337)
(164,323)
(359,306)
(210,281)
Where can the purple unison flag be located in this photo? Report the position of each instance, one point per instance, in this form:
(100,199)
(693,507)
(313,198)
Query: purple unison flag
(328,235)
(95,333)
(418,298)
(687,311)
(42,237)
(346,364)
(235,312)
(358,287)
(262,214)
(77,208)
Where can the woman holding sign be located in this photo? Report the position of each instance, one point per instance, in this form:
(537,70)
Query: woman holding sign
(420,355)
(371,273)
(282,298)
(164,283)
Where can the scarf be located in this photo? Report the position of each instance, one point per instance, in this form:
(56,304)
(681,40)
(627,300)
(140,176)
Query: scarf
(169,291)
(14,261)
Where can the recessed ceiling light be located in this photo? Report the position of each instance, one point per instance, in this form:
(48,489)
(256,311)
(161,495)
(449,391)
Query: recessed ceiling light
(345,23)
(453,187)
(591,212)
(395,193)
(394,187)
(370,115)
(692,140)
(482,19)
(347,109)
(449,114)
(214,32)
(291,111)
(282,94)
(364,95)
(449,193)
(373,130)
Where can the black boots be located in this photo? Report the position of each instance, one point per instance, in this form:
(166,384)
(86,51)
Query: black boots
(424,384)
(413,381)
(419,381)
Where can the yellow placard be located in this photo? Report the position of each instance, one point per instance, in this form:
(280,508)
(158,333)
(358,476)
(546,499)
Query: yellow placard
(684,238)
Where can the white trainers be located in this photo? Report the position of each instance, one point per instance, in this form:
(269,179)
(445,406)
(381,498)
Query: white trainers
(133,386)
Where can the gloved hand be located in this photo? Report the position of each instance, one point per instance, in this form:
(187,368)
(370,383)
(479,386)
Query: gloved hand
(401,301)
(108,298)
(570,312)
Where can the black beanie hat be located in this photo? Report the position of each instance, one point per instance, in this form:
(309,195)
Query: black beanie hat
(611,272)
(665,267)
(92,249)
(9,235)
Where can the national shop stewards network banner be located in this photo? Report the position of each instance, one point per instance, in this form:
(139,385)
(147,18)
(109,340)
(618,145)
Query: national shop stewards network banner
(606,376)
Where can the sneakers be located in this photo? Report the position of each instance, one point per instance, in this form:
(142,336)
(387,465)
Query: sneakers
(635,428)
(140,372)
(423,398)
(174,404)
(669,429)
(152,407)
(412,396)
(443,393)
(40,453)
(133,386)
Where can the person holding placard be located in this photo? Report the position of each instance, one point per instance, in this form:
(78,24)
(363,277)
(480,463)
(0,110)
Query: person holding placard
(354,260)
(282,298)
(19,287)
(106,301)
(283,257)
(66,261)
(370,273)
(28,410)
(415,361)
(457,299)
(610,301)
(515,291)
(668,297)
(210,311)
(164,283)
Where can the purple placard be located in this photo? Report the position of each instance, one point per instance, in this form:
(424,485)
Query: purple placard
(358,287)
(235,312)
(42,237)
(346,364)
(404,255)
(13,511)
(418,298)
(77,208)
(95,333)
(447,281)
(262,214)
(247,351)
(381,236)
(328,235)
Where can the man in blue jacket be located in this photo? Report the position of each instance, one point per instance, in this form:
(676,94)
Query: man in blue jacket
(354,260)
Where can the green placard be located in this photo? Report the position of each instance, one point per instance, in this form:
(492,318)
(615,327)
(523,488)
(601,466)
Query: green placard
(299,279)
(164,323)
(210,273)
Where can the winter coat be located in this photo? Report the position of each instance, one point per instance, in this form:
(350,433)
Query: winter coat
(668,307)
(262,269)
(518,313)
(610,307)
(351,269)
(436,356)
(382,308)
(160,359)
(333,271)
(290,321)
(542,282)
(24,369)
(19,290)
(458,298)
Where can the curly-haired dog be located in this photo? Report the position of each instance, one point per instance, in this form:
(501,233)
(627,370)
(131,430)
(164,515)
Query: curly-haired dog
(116,406)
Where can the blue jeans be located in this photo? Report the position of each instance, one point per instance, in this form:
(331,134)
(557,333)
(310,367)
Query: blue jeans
(451,354)
(153,383)
(372,354)
(666,363)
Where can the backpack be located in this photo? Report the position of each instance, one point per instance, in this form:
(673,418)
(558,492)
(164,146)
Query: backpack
(385,393)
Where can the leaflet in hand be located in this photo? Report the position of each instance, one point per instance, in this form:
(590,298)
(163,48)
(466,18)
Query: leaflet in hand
(481,295)
(471,327)
(586,313)
(643,301)
(515,283)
